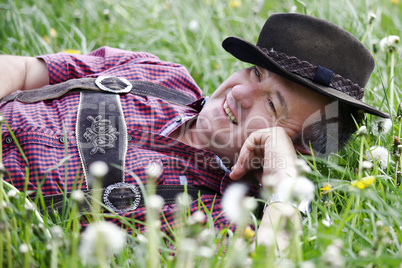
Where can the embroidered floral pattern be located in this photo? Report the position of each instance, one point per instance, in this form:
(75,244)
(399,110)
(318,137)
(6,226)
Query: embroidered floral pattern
(101,134)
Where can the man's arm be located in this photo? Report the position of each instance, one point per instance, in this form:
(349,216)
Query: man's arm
(268,144)
(20,73)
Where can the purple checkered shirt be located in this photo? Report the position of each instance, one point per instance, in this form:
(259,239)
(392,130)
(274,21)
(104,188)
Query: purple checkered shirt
(38,127)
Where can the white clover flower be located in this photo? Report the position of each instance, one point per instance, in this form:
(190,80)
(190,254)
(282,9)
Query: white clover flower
(297,189)
(236,206)
(153,170)
(12,193)
(193,26)
(78,196)
(102,235)
(23,248)
(380,155)
(155,202)
(98,169)
(389,43)
(56,232)
(381,126)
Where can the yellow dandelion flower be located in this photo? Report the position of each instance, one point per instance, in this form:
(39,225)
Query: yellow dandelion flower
(395,2)
(72,51)
(53,32)
(326,188)
(364,182)
(46,39)
(249,233)
(235,3)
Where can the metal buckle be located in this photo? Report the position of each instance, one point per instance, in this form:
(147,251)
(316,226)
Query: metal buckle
(133,188)
(127,89)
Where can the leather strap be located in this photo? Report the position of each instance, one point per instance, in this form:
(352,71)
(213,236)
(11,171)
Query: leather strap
(113,84)
(124,197)
(101,134)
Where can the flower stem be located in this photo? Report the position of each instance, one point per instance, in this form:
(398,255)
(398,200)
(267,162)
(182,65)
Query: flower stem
(392,84)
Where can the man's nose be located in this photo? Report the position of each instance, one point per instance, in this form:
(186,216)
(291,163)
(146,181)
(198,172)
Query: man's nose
(245,95)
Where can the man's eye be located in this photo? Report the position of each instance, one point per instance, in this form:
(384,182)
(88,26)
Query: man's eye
(257,72)
(271,104)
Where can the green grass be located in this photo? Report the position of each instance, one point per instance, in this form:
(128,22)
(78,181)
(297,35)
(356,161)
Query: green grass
(367,222)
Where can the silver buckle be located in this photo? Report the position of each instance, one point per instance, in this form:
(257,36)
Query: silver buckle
(133,188)
(98,82)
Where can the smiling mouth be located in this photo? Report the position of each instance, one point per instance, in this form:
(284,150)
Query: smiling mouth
(229,113)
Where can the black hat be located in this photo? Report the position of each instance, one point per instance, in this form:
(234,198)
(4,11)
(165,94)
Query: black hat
(311,52)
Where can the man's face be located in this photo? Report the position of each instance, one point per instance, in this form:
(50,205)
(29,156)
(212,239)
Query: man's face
(253,99)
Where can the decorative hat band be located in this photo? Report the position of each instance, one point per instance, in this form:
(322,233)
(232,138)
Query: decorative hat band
(317,73)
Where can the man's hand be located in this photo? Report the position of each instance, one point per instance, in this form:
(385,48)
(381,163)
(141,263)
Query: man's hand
(20,73)
(270,147)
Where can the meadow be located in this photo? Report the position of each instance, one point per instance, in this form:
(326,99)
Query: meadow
(356,218)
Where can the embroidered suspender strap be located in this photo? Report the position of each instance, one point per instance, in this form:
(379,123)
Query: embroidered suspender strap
(124,197)
(101,134)
(105,84)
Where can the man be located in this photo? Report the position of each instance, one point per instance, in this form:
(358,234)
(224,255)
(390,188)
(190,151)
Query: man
(303,93)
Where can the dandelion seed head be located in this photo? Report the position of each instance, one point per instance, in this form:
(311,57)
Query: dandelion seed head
(233,202)
(98,169)
(307,264)
(23,248)
(302,167)
(205,235)
(193,26)
(111,237)
(297,189)
(389,43)
(362,131)
(155,202)
(142,238)
(12,193)
(378,155)
(196,217)
(367,165)
(78,196)
(285,263)
(57,232)
(153,170)
(183,200)
(29,206)
(381,126)
(188,244)
(205,252)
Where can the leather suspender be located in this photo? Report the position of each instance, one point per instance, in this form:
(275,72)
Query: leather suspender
(102,133)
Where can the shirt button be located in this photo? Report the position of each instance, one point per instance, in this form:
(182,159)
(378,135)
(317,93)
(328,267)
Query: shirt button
(61,139)
(178,119)
(129,137)
(9,140)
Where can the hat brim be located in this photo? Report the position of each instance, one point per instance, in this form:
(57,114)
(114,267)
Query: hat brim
(250,53)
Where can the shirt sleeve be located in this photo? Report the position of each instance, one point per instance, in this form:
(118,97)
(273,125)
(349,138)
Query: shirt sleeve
(65,66)
(116,62)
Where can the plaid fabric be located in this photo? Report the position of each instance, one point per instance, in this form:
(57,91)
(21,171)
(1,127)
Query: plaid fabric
(47,151)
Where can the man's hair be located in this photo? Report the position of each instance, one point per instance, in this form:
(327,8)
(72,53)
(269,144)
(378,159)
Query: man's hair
(331,132)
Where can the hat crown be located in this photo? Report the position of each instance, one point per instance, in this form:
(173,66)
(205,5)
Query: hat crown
(318,42)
